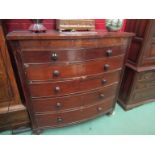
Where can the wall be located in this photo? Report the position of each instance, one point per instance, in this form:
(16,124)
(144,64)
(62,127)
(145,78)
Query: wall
(23,24)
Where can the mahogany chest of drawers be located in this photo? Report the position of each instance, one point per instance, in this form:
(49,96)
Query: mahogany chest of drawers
(138,84)
(69,77)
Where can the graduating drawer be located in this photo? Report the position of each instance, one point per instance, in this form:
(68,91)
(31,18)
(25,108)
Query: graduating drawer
(74,116)
(73,101)
(56,72)
(52,89)
(70,55)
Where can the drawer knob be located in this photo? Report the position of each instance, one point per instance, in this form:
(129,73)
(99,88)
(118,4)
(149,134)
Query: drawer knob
(56,73)
(54,56)
(104,81)
(102,95)
(58,104)
(59,119)
(99,108)
(57,89)
(109,52)
(106,67)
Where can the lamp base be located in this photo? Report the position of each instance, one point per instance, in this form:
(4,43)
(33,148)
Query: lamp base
(37,28)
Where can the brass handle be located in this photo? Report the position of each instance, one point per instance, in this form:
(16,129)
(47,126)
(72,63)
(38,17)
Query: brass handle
(102,95)
(99,108)
(54,56)
(59,119)
(104,81)
(56,73)
(58,104)
(106,67)
(57,89)
(109,52)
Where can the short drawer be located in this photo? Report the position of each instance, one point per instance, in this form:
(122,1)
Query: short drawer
(70,55)
(52,89)
(56,72)
(73,101)
(75,116)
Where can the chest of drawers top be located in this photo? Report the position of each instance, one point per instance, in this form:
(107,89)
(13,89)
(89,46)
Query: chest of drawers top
(51,34)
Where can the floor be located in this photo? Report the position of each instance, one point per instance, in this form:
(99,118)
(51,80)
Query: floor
(140,120)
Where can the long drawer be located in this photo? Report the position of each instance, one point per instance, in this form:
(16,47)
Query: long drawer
(75,116)
(73,101)
(70,55)
(51,89)
(72,43)
(57,72)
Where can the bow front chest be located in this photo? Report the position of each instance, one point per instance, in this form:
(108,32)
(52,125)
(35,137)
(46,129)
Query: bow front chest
(69,77)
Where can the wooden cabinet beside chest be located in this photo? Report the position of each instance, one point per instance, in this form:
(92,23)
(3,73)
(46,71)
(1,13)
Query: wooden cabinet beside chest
(138,84)
(13,113)
(69,77)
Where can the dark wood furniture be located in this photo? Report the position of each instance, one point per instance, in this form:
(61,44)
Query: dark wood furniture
(69,77)
(138,84)
(13,113)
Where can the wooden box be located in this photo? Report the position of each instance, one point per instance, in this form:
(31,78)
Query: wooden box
(75,25)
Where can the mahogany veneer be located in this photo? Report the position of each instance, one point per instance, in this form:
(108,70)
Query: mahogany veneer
(69,77)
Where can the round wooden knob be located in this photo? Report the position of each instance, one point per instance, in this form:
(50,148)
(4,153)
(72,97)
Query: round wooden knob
(101,95)
(58,104)
(59,119)
(106,67)
(99,108)
(104,81)
(109,52)
(56,73)
(57,89)
(54,56)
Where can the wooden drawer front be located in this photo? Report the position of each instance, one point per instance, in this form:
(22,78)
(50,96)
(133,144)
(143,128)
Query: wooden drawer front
(70,55)
(75,116)
(57,72)
(72,43)
(50,89)
(145,84)
(73,101)
(142,95)
(145,76)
